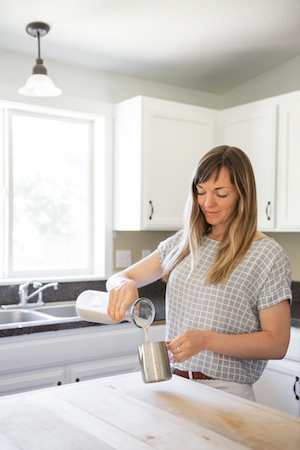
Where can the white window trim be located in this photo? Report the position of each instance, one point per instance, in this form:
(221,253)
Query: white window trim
(103,191)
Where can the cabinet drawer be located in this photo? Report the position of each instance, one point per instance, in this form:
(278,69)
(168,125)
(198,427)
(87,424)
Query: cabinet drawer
(104,368)
(29,381)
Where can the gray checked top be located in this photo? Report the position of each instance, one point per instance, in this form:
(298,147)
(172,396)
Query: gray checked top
(261,280)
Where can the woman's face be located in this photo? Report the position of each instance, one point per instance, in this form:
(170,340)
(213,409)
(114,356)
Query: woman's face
(217,199)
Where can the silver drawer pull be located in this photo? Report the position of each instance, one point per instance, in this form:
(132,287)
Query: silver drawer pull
(296,381)
(267,210)
(152,210)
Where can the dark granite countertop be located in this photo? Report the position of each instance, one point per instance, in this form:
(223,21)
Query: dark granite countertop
(70,291)
(295,323)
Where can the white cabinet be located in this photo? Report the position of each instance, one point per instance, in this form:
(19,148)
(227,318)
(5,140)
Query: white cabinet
(252,128)
(288,179)
(126,362)
(159,143)
(50,359)
(31,380)
(157,147)
(279,385)
(105,368)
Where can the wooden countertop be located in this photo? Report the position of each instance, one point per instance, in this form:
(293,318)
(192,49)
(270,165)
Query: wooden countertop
(122,412)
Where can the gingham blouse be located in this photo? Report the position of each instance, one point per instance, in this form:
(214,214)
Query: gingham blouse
(263,279)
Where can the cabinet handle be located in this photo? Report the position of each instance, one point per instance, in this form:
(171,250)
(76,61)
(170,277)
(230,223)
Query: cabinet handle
(77,380)
(296,381)
(58,383)
(267,210)
(152,210)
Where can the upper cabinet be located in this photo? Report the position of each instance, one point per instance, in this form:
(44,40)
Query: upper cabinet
(253,129)
(159,143)
(269,132)
(288,167)
(157,147)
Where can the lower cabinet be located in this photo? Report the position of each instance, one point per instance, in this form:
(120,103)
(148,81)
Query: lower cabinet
(52,359)
(28,381)
(104,369)
(279,385)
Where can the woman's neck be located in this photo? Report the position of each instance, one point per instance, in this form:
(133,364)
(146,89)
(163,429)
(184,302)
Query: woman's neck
(215,233)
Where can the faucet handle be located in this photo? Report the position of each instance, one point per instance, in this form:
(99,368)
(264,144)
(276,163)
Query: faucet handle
(28,283)
(23,287)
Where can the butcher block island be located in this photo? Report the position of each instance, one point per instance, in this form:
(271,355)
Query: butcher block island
(122,412)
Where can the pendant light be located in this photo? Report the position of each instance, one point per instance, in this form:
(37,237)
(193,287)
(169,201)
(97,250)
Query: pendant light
(39,84)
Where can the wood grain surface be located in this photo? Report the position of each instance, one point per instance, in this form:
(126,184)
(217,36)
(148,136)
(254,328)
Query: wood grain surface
(124,413)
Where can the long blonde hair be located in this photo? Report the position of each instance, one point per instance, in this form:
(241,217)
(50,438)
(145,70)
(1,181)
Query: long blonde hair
(243,224)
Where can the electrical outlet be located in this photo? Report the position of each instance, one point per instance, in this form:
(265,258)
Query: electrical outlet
(145,253)
(123,259)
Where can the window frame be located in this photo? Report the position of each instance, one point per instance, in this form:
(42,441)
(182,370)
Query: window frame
(101,187)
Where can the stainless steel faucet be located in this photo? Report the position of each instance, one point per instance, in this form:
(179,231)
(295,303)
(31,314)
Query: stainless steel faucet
(24,297)
(23,292)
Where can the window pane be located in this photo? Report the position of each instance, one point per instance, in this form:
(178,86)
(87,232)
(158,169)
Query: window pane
(51,213)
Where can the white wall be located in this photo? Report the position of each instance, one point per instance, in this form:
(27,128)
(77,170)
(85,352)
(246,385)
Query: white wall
(84,88)
(87,88)
(280,80)
(95,91)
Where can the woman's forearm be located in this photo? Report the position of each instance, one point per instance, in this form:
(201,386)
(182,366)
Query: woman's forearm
(142,273)
(270,343)
(123,286)
(251,346)
(117,279)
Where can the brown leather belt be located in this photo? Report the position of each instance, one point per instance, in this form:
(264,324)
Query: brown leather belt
(195,375)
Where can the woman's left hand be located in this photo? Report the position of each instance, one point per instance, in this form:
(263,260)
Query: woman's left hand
(269,343)
(187,344)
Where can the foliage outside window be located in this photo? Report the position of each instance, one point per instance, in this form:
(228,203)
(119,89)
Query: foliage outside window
(54,209)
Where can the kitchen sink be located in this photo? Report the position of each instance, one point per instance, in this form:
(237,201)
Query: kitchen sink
(21,315)
(59,309)
(50,313)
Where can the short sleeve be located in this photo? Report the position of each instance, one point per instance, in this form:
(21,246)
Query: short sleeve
(277,286)
(166,246)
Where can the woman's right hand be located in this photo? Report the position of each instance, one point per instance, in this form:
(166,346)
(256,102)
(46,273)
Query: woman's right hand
(120,298)
(123,286)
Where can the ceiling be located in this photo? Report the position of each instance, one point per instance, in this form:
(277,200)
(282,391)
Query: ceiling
(208,45)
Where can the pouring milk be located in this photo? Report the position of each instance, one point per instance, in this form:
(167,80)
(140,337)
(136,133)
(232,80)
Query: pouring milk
(153,357)
(92,307)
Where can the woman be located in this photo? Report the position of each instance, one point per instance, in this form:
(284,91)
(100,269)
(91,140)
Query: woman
(228,285)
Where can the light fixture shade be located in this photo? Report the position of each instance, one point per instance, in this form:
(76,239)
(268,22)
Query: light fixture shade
(40,85)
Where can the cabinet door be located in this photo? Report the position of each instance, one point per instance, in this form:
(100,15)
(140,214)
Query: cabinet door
(29,381)
(105,368)
(121,362)
(176,138)
(279,386)
(253,129)
(157,147)
(288,186)
(157,333)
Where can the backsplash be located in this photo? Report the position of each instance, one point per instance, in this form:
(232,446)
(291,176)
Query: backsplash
(295,310)
(64,292)
(154,291)
(70,291)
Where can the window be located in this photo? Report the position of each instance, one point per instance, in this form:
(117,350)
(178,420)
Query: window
(55,209)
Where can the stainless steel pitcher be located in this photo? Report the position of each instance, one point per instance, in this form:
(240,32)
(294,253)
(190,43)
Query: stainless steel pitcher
(154,362)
